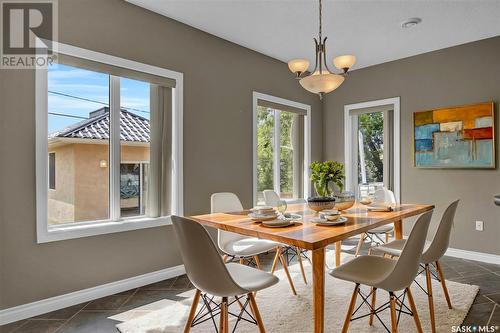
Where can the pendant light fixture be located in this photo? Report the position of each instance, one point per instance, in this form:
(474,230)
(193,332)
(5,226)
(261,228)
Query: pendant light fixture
(321,80)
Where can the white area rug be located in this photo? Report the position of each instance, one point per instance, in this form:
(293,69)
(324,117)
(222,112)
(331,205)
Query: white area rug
(284,312)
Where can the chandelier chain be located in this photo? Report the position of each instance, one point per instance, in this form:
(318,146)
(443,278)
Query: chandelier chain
(320,19)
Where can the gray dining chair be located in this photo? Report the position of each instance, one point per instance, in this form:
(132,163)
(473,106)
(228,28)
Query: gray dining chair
(240,247)
(387,274)
(271,198)
(211,276)
(381,196)
(433,253)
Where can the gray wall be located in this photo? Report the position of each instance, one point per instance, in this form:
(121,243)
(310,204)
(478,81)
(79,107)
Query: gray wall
(219,80)
(459,75)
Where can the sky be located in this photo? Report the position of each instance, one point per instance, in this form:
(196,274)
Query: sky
(89,85)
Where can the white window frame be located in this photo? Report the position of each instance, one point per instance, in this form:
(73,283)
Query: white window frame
(46,233)
(350,149)
(276,144)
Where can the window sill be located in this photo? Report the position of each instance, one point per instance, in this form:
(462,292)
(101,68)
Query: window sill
(63,232)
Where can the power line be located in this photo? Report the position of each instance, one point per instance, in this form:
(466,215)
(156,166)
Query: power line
(66,115)
(93,101)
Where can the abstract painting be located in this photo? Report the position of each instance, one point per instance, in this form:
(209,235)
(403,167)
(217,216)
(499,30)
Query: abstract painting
(455,137)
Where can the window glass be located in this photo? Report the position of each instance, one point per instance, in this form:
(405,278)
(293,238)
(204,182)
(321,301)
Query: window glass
(287,167)
(52,171)
(370,152)
(265,151)
(78,127)
(134,146)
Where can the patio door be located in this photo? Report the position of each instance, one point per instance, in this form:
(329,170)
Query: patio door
(372,147)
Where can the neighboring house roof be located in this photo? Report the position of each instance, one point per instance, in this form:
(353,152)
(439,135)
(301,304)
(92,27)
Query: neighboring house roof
(133,128)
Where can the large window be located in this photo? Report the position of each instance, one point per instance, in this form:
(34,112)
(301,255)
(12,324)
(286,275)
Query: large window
(280,147)
(112,133)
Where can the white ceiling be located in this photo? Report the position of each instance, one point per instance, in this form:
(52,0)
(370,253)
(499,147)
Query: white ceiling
(369,29)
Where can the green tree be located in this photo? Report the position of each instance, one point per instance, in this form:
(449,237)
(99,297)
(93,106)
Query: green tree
(265,139)
(371,125)
(265,125)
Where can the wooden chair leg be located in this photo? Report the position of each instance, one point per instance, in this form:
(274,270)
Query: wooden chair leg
(414,310)
(350,310)
(256,313)
(338,250)
(242,261)
(429,297)
(276,258)
(299,256)
(360,244)
(192,312)
(386,237)
(223,322)
(394,321)
(285,268)
(257,261)
(373,304)
(443,283)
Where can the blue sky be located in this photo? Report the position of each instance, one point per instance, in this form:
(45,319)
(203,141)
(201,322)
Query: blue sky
(92,86)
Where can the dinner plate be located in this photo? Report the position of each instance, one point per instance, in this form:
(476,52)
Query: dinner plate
(261,218)
(340,220)
(277,223)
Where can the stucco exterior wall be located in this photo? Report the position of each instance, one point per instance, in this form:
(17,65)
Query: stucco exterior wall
(82,184)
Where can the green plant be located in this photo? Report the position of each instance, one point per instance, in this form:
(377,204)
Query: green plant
(325,173)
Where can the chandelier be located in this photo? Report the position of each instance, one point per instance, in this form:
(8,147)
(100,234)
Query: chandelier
(321,80)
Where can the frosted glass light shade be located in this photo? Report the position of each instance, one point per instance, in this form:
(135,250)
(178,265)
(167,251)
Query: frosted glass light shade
(298,65)
(345,61)
(321,83)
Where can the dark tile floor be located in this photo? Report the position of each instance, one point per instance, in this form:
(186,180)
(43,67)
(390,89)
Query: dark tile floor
(96,316)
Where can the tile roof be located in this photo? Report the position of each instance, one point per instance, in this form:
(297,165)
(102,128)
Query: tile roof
(133,128)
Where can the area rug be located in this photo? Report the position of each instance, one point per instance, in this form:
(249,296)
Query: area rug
(283,312)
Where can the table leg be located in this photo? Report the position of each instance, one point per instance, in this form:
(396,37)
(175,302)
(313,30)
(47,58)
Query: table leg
(318,262)
(338,248)
(398,229)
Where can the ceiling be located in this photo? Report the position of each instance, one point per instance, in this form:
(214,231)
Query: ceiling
(369,29)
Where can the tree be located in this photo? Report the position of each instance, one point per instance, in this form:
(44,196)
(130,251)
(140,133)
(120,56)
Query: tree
(371,125)
(265,140)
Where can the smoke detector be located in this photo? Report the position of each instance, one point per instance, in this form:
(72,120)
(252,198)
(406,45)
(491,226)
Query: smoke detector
(411,22)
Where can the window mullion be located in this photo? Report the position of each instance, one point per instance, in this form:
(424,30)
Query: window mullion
(114,151)
(386,151)
(276,153)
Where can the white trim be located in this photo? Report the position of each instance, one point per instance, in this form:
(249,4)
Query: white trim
(46,234)
(114,148)
(307,137)
(395,101)
(473,255)
(29,310)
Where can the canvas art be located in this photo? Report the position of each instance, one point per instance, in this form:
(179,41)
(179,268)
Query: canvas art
(455,137)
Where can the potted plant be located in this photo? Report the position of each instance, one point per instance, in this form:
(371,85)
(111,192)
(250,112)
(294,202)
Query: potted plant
(323,176)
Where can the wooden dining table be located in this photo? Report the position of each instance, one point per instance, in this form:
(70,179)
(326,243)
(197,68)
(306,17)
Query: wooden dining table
(310,236)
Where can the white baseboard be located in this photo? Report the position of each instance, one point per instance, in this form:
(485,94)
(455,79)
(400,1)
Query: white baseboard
(472,255)
(24,311)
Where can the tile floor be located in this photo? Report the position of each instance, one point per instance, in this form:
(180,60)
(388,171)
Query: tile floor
(94,316)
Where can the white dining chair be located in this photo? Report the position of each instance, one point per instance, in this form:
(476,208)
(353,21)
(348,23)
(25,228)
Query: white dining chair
(389,275)
(433,253)
(381,196)
(212,277)
(240,247)
(272,198)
